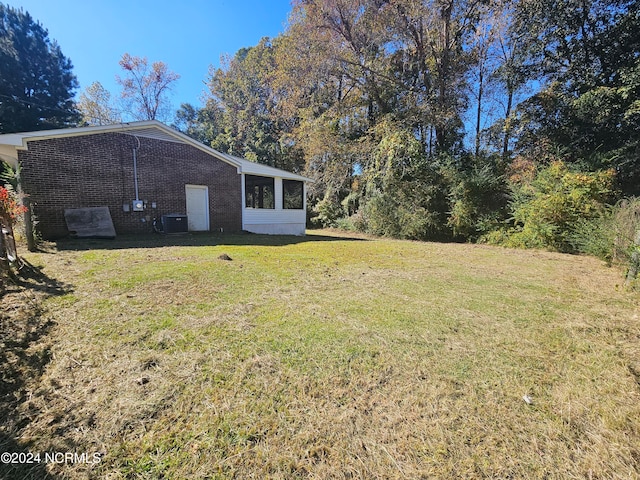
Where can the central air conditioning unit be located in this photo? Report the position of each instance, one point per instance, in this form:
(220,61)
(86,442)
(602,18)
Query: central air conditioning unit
(175,223)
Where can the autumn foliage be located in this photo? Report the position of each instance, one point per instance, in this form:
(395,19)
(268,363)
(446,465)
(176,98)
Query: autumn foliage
(10,209)
(145,87)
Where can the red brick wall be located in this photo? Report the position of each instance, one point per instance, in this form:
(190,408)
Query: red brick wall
(97,170)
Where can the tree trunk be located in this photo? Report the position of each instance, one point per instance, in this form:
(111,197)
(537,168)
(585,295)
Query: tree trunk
(507,127)
(28,221)
(479,110)
(4,262)
(634,266)
(444,74)
(28,226)
(5,266)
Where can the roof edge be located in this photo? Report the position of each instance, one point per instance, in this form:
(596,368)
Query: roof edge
(20,140)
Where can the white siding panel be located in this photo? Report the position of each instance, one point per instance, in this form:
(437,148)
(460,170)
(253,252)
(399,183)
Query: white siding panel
(272,221)
(277,229)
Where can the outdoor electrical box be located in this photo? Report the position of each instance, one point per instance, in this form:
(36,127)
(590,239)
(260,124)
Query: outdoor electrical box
(138,206)
(175,223)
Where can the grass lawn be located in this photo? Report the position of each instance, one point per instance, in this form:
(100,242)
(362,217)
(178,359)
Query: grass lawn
(327,357)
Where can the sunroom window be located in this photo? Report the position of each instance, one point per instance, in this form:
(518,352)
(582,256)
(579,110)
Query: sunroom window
(292,194)
(259,192)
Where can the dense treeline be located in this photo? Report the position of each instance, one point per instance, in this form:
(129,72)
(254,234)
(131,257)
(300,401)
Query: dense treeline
(506,121)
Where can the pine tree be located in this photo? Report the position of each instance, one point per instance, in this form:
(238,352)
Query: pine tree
(36,80)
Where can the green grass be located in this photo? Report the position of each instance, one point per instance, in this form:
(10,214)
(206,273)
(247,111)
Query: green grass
(330,357)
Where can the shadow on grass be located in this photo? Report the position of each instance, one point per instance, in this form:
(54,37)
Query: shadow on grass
(24,355)
(193,240)
(25,465)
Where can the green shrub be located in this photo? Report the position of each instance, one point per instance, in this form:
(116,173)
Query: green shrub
(596,236)
(611,235)
(405,213)
(381,214)
(478,201)
(345,223)
(358,222)
(327,211)
(556,207)
(354,223)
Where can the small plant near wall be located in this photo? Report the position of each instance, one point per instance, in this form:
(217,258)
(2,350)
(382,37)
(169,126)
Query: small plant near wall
(10,208)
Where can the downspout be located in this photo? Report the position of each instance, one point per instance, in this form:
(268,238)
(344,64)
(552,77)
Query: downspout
(135,168)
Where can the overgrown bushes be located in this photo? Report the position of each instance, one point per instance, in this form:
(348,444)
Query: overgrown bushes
(478,200)
(420,200)
(553,207)
(549,203)
(611,235)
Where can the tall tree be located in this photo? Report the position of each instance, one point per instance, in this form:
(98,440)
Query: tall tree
(202,124)
(501,69)
(339,75)
(349,42)
(253,124)
(589,51)
(482,42)
(146,88)
(514,69)
(36,80)
(96,107)
(453,23)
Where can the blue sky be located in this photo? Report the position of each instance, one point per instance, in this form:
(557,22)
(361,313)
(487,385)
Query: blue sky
(188,36)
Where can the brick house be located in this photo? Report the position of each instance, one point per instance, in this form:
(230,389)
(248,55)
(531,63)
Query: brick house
(143,170)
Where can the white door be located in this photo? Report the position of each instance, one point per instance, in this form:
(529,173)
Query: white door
(197,207)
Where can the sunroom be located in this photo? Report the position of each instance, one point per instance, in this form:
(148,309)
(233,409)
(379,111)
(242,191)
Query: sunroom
(273,201)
